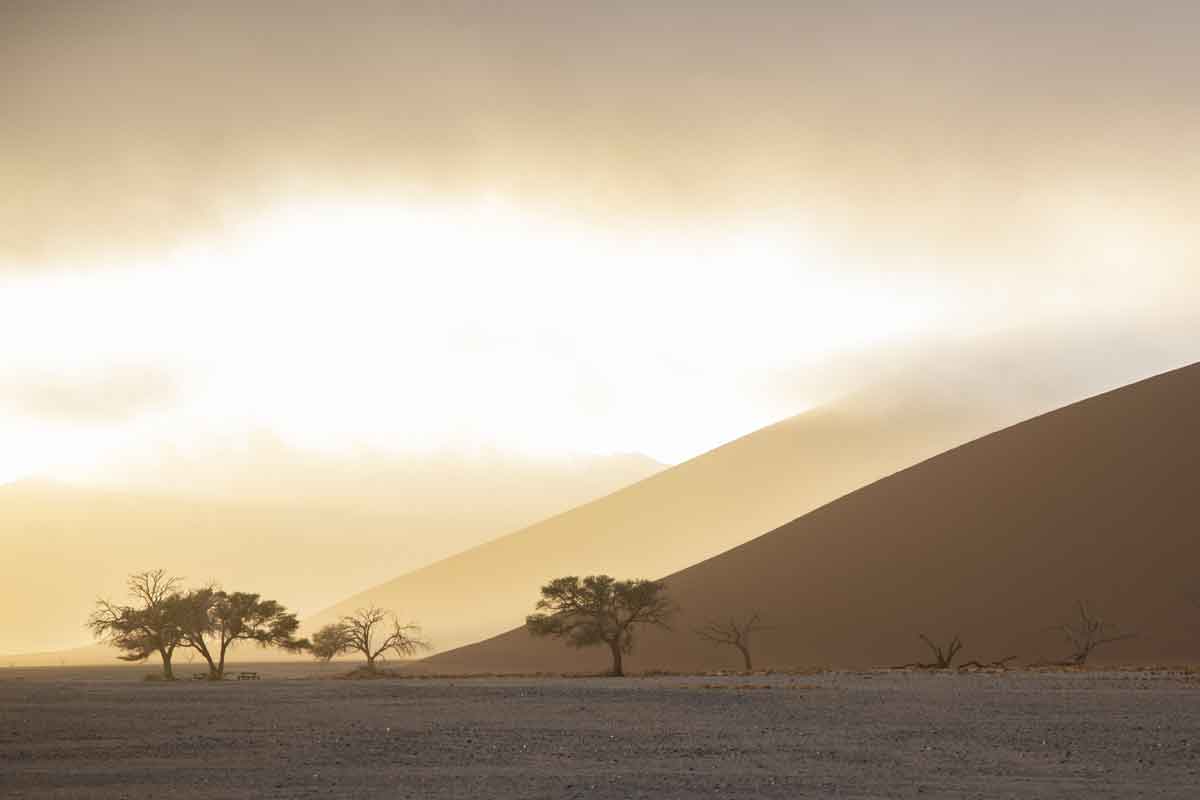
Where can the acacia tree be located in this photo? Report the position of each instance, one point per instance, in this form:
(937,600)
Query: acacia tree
(1087,633)
(212,620)
(370,631)
(148,626)
(600,609)
(733,633)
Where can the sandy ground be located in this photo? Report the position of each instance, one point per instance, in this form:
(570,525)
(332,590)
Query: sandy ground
(103,734)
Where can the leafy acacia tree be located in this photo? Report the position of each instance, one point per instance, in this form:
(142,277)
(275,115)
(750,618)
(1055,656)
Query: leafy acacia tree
(150,625)
(370,631)
(733,633)
(600,610)
(212,620)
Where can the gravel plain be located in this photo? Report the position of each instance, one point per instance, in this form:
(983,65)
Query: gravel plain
(833,734)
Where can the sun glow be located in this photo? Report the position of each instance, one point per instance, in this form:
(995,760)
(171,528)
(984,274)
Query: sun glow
(431,325)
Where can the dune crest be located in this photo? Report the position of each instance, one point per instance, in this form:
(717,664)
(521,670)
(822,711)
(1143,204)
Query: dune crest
(675,518)
(995,541)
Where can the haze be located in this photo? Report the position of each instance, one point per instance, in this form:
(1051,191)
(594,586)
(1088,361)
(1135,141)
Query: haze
(597,229)
(546,231)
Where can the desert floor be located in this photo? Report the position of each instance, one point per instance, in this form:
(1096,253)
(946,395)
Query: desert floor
(105,734)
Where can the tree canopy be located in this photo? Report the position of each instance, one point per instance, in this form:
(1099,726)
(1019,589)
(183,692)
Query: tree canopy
(600,609)
(212,620)
(148,626)
(371,631)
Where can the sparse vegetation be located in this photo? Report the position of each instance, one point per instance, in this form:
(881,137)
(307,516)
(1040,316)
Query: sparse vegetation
(999,664)
(150,625)
(734,633)
(1088,632)
(370,631)
(599,609)
(164,619)
(943,658)
(212,620)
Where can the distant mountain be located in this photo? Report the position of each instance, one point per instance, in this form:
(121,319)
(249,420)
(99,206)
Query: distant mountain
(996,540)
(302,529)
(263,469)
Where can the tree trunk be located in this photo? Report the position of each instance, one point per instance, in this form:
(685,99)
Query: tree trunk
(617,669)
(168,673)
(370,663)
(221,664)
(746,656)
(213,672)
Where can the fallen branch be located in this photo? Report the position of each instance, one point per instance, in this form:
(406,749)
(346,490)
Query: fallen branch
(1000,664)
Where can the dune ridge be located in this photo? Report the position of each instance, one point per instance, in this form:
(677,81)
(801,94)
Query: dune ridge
(674,518)
(995,540)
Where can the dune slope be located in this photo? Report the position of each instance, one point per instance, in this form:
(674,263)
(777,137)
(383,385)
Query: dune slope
(995,540)
(673,519)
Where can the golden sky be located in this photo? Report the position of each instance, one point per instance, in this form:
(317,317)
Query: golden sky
(558,227)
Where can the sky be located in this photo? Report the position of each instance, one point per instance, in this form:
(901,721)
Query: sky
(558,228)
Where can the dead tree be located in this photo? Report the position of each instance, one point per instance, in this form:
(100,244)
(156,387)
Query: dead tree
(943,658)
(1087,633)
(373,632)
(999,664)
(734,633)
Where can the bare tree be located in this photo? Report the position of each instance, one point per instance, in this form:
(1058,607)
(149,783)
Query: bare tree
(211,620)
(1088,632)
(943,658)
(600,609)
(733,633)
(370,631)
(148,626)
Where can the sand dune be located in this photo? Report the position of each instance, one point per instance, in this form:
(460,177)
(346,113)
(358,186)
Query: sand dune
(676,518)
(995,540)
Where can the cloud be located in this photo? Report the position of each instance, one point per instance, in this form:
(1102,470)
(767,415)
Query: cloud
(98,396)
(134,124)
(250,193)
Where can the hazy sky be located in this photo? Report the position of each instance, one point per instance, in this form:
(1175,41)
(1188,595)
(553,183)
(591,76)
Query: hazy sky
(560,226)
